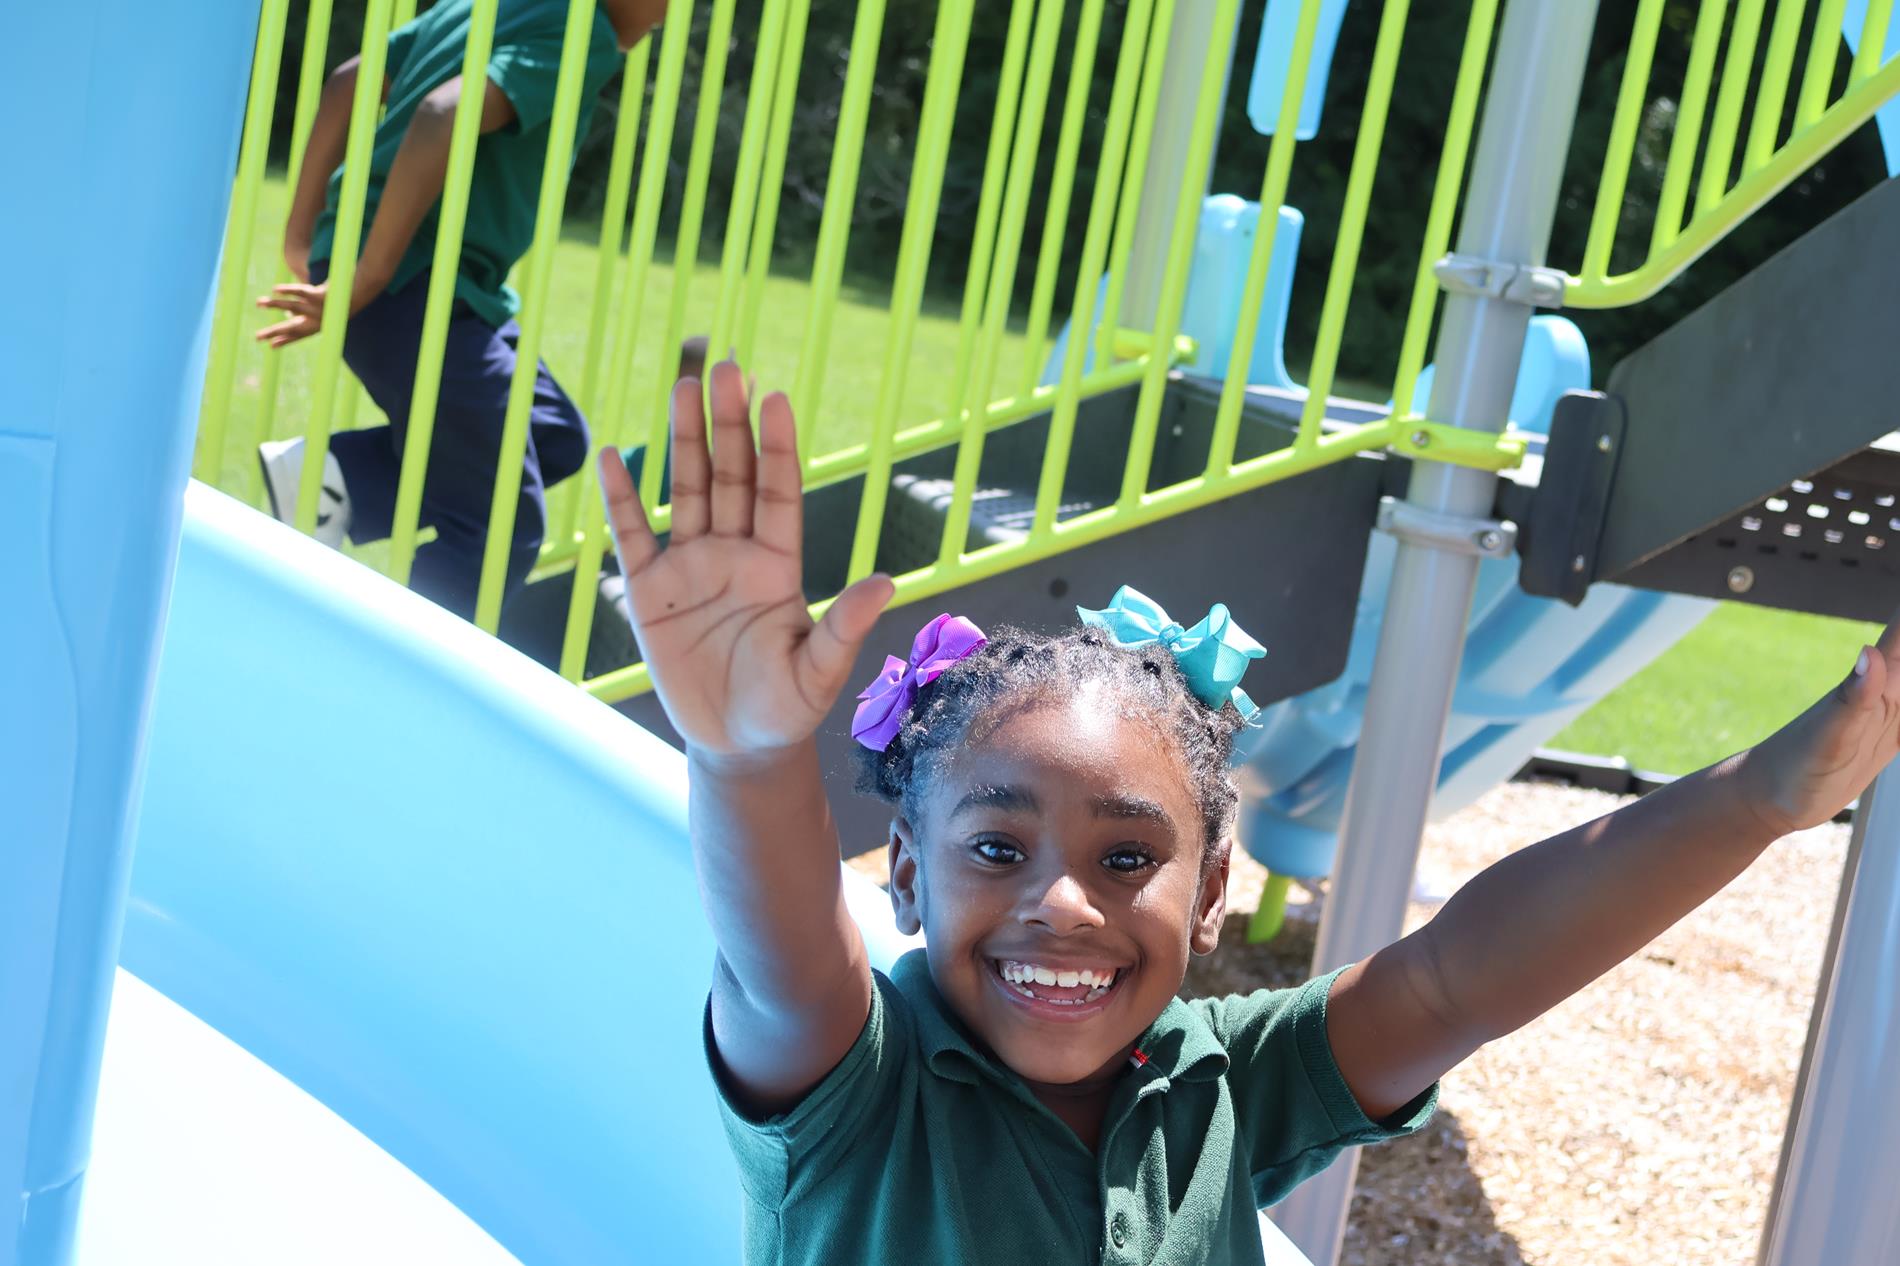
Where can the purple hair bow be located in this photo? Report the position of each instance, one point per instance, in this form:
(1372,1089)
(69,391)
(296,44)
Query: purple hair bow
(939,644)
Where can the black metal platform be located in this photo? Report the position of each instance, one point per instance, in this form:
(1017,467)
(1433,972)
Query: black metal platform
(1742,453)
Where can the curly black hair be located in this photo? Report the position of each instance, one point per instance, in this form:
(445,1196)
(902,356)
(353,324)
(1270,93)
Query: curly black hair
(1017,664)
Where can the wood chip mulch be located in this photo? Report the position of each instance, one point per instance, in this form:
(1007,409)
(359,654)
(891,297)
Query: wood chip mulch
(1638,1123)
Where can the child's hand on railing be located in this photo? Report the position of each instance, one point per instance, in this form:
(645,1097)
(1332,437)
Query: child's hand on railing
(1813,767)
(720,613)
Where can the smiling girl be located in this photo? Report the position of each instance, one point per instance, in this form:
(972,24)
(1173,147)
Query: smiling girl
(1029,1088)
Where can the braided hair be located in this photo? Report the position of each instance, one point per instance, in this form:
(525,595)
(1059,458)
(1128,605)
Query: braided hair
(1016,664)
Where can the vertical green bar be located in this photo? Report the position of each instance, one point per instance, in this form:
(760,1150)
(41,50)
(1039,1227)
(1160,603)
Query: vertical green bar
(1445,186)
(1764,128)
(1726,124)
(1187,208)
(1273,182)
(834,228)
(1022,178)
(1688,134)
(1130,210)
(547,232)
(1352,218)
(913,257)
(316,43)
(1823,48)
(1121,103)
(613,221)
(614,422)
(692,212)
(349,236)
(625,338)
(989,205)
(234,272)
(1062,185)
(765,226)
(1616,160)
(452,216)
(745,184)
(1873,41)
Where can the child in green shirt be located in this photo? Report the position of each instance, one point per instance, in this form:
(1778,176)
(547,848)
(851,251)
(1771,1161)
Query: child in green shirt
(421,88)
(1028,1087)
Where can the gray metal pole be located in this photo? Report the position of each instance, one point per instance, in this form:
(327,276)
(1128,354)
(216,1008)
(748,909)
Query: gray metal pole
(1835,1203)
(1189,38)
(1515,180)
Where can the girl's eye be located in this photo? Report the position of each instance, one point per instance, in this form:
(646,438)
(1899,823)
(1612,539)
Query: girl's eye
(997,852)
(1129,860)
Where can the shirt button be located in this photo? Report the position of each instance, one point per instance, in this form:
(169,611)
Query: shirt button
(1118,1231)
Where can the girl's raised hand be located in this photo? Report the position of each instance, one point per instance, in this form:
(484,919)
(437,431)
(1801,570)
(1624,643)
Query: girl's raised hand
(720,613)
(1813,767)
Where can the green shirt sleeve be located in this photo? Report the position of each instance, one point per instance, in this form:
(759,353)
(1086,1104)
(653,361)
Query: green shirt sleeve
(1293,1110)
(781,1156)
(401,40)
(525,70)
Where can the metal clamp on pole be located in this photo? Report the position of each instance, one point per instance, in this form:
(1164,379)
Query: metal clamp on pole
(1461,534)
(1530,284)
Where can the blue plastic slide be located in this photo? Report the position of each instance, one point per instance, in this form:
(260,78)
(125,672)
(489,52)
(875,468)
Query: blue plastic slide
(440,890)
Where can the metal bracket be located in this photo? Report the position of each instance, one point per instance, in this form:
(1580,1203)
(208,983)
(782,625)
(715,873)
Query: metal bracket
(1564,529)
(1458,445)
(1486,538)
(1528,284)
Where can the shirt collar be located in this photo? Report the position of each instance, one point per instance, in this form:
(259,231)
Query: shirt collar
(1178,1046)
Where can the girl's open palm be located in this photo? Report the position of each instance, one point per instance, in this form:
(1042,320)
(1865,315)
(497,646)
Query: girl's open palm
(720,613)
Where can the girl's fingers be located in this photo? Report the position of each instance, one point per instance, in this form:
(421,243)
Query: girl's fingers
(832,648)
(733,460)
(692,469)
(778,515)
(634,541)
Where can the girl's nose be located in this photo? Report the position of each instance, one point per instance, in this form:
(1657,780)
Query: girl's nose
(1063,907)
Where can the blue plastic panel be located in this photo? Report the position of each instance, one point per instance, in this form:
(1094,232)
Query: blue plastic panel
(1273,61)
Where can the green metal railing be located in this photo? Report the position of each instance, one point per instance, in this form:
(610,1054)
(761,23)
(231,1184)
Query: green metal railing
(1726,194)
(1022,197)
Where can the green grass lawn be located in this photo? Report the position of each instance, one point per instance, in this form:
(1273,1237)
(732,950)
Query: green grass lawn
(1735,679)
(1730,682)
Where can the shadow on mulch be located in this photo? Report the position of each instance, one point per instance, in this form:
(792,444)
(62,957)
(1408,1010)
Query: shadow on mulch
(1417,1199)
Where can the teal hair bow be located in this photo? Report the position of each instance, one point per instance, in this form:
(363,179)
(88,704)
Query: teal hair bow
(1212,654)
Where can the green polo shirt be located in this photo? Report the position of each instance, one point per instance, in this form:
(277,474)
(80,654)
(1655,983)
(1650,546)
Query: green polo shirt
(920,1148)
(505,190)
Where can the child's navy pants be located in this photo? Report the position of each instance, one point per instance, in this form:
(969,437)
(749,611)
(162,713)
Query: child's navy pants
(478,363)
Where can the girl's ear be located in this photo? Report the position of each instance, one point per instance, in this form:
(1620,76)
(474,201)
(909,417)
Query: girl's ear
(1210,903)
(906,892)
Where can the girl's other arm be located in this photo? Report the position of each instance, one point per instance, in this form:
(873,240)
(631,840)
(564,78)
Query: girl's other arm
(1541,924)
(746,678)
(321,156)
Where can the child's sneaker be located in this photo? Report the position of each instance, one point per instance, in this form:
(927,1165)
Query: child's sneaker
(282,463)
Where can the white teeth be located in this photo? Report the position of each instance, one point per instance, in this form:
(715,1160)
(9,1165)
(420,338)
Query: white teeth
(1021,974)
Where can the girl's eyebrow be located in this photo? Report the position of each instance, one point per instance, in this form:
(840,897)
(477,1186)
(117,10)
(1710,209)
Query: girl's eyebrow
(1005,797)
(1137,808)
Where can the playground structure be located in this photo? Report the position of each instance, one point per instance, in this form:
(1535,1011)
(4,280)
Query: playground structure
(1192,460)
